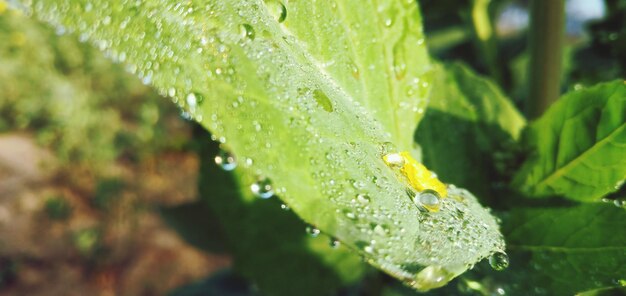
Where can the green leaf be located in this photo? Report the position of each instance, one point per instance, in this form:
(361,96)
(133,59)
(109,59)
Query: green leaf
(197,224)
(306,94)
(578,147)
(479,123)
(568,250)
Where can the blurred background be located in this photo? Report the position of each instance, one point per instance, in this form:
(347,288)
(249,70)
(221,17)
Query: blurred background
(95,167)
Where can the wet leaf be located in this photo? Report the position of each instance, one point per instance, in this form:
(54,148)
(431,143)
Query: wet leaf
(306,95)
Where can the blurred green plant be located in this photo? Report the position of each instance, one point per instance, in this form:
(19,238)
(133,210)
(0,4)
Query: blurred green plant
(108,191)
(88,110)
(88,242)
(58,208)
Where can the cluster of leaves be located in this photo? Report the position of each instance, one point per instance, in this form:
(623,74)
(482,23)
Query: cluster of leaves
(301,94)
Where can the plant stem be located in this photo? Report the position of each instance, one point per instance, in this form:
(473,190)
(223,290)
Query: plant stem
(483,28)
(546,50)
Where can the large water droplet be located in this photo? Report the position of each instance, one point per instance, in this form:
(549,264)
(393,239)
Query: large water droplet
(399,60)
(226,160)
(277,10)
(499,261)
(430,200)
(262,188)
(246,31)
(312,231)
(322,99)
(431,277)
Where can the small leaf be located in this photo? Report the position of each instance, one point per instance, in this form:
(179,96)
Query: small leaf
(569,250)
(578,147)
(479,122)
(306,97)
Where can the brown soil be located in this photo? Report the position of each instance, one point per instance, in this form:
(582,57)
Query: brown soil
(121,248)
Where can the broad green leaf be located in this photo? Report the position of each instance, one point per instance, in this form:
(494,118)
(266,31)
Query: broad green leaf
(562,251)
(578,147)
(269,244)
(479,123)
(268,89)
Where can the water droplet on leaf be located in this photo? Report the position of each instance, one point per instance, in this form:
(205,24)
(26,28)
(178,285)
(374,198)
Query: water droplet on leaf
(277,9)
(399,60)
(334,243)
(394,160)
(430,200)
(387,148)
(322,99)
(262,188)
(226,160)
(246,31)
(363,198)
(312,231)
(499,261)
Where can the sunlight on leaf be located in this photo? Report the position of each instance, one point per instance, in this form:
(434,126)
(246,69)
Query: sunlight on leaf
(578,147)
(308,94)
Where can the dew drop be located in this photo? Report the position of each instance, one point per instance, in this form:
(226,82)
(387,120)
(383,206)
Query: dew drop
(355,71)
(387,148)
(363,198)
(394,160)
(226,160)
(192,100)
(277,9)
(619,184)
(334,243)
(619,203)
(350,215)
(262,188)
(399,60)
(388,22)
(430,200)
(322,99)
(312,231)
(285,207)
(380,229)
(246,31)
(499,261)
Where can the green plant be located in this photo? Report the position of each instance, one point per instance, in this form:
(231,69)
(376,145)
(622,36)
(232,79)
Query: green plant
(58,208)
(310,96)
